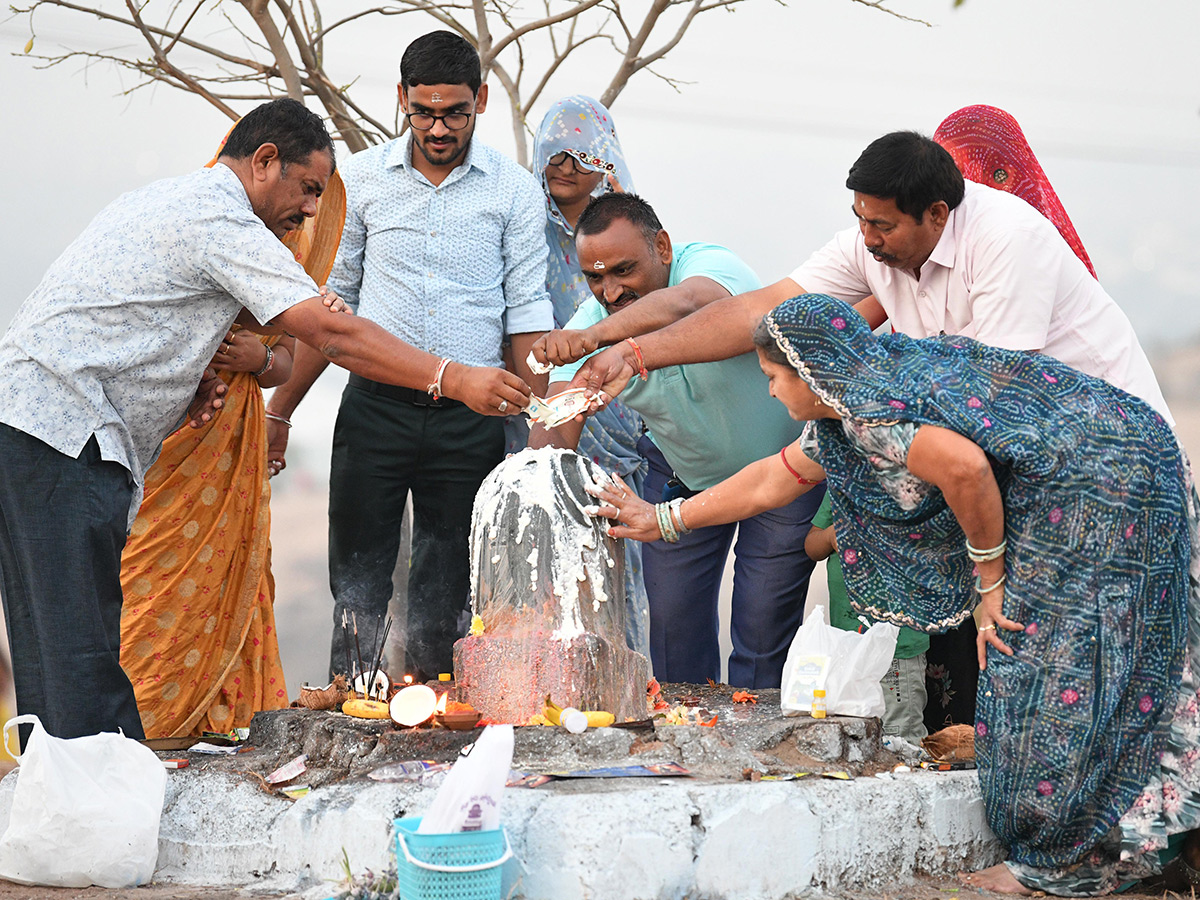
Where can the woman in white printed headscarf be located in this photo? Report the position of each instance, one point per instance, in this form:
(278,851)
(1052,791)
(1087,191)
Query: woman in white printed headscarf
(578,156)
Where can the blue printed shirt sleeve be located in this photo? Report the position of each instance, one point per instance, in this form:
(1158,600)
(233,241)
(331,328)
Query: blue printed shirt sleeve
(345,278)
(527,304)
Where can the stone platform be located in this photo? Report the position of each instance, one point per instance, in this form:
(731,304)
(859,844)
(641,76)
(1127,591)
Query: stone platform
(720,833)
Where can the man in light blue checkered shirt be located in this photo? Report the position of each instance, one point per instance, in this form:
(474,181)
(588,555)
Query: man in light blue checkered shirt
(443,247)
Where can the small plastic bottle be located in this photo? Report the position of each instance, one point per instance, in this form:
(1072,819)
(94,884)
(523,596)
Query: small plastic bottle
(818,703)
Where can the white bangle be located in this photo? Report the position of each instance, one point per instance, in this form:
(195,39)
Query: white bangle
(435,387)
(987,590)
(976,555)
(676,509)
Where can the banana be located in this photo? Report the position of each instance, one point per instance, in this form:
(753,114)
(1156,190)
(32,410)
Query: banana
(598,719)
(366,709)
(595,718)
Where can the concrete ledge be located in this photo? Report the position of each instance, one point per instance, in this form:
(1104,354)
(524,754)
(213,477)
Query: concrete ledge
(630,839)
(712,835)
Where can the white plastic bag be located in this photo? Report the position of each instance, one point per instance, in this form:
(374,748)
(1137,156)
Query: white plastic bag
(85,811)
(847,664)
(469,798)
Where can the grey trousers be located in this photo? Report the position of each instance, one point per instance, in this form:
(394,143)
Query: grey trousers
(62,530)
(904,699)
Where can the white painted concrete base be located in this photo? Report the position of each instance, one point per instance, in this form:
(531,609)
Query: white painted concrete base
(632,839)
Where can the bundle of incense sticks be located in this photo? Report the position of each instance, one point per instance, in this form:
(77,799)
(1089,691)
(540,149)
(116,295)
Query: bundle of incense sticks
(368,675)
(370,684)
(346,643)
(358,652)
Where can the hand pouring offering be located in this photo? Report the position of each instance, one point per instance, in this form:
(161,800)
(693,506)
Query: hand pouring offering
(560,408)
(537,368)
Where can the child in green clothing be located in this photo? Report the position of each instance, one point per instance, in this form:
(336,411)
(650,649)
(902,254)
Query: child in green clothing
(904,685)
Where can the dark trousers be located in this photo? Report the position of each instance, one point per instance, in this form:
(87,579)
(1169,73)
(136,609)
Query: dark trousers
(383,451)
(62,530)
(770,584)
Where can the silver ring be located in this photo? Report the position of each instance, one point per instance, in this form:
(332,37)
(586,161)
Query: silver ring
(503,405)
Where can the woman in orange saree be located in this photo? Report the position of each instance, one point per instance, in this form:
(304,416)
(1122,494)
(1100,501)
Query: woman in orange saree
(198,634)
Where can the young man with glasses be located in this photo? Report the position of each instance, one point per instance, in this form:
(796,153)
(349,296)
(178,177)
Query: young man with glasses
(443,246)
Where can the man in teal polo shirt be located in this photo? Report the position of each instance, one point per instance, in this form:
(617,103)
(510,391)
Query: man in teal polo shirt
(706,421)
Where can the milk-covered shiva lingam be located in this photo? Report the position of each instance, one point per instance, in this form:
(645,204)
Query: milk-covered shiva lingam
(548,597)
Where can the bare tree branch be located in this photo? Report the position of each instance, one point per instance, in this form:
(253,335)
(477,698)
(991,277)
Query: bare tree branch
(563,16)
(559,59)
(261,14)
(178,34)
(160,32)
(240,52)
(161,58)
(882,7)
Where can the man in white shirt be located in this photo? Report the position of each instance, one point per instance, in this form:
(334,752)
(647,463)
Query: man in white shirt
(938,257)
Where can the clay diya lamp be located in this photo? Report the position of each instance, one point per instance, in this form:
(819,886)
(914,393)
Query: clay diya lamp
(460,720)
(456,716)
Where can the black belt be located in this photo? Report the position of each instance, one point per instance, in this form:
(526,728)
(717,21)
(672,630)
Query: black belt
(403,394)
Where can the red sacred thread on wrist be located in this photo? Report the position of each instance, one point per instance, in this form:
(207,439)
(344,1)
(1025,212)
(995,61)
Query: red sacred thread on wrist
(800,478)
(642,373)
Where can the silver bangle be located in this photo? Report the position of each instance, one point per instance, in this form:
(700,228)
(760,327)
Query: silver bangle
(677,516)
(266,367)
(977,555)
(278,418)
(987,590)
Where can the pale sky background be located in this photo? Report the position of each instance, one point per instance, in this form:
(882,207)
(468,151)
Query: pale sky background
(752,154)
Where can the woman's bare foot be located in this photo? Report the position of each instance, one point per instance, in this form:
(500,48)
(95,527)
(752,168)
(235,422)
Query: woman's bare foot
(996,878)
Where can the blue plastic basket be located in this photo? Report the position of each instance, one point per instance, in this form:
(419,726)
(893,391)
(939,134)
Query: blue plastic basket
(465,865)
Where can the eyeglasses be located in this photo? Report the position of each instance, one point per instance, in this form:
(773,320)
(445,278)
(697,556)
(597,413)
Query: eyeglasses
(453,121)
(578,159)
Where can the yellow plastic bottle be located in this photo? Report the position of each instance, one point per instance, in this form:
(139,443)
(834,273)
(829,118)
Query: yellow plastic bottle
(818,703)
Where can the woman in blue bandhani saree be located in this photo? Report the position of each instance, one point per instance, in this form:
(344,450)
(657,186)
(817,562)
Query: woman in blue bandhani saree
(1056,507)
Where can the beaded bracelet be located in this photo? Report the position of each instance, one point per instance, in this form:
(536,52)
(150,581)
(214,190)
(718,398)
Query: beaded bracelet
(977,555)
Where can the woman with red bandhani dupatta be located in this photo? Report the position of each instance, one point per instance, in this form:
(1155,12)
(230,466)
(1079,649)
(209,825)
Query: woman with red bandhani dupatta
(990,148)
(198,638)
